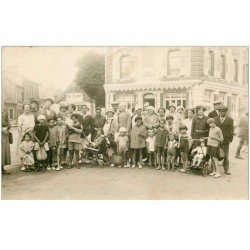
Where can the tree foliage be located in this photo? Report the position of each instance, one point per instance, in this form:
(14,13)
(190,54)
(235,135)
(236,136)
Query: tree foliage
(91,76)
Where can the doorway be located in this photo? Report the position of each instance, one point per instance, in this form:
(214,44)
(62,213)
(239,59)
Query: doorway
(150,98)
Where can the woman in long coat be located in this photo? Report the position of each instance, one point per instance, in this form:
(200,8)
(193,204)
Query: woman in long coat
(26,123)
(124,119)
(6,156)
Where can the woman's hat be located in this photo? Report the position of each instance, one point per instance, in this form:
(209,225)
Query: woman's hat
(110,110)
(122,129)
(172,105)
(137,108)
(123,104)
(35,101)
(217,102)
(40,117)
(151,107)
(180,107)
(49,99)
(210,120)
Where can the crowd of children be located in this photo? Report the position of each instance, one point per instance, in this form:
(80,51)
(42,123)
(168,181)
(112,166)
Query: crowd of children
(163,143)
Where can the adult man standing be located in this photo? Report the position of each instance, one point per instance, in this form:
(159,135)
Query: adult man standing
(226,124)
(215,112)
(115,107)
(243,134)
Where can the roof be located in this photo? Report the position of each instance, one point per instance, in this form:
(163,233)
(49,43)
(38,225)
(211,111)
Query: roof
(73,88)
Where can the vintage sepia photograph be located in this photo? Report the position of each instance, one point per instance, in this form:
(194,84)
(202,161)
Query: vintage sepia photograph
(125,123)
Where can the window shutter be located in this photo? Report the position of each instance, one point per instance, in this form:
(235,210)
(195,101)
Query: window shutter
(161,99)
(182,63)
(229,103)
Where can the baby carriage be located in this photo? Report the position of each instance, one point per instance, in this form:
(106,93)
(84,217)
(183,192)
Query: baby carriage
(203,167)
(99,152)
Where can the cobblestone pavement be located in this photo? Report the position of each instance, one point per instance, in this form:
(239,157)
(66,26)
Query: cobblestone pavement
(113,183)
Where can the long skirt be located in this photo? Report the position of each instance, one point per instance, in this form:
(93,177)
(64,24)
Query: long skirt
(6,157)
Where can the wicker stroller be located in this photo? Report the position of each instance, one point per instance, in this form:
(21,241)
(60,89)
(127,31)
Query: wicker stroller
(203,167)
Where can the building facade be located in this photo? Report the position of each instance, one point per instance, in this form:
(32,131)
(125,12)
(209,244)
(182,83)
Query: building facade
(185,76)
(16,92)
(31,90)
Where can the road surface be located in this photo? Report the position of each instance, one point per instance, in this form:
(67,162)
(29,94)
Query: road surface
(113,183)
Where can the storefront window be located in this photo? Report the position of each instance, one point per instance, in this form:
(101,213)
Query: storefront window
(176,98)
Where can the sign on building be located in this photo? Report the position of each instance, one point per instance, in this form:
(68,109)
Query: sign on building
(74,97)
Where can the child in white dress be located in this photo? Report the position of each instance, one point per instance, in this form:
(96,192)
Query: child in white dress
(151,148)
(26,154)
(200,151)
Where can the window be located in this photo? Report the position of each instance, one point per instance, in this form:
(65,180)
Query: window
(223,67)
(125,67)
(233,103)
(245,74)
(211,63)
(176,98)
(11,114)
(174,62)
(221,96)
(235,71)
(207,96)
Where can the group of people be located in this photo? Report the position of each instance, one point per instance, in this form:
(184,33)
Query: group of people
(158,138)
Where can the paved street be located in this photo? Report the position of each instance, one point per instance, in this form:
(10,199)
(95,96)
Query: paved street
(114,183)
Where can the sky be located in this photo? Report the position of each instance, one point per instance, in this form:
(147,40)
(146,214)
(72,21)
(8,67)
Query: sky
(54,68)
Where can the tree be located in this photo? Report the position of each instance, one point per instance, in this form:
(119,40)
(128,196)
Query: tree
(91,76)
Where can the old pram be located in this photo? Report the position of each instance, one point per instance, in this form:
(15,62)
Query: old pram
(203,167)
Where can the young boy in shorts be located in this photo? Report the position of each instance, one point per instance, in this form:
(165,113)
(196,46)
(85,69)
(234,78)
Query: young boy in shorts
(74,141)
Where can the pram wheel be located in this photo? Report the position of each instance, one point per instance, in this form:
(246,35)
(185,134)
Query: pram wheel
(205,169)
